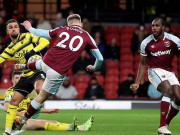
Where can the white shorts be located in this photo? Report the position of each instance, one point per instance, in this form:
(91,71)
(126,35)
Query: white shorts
(157,75)
(53,79)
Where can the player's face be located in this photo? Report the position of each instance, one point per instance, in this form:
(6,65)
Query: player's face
(13,29)
(16,79)
(157,28)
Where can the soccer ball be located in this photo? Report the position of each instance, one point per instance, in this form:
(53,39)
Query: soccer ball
(34,58)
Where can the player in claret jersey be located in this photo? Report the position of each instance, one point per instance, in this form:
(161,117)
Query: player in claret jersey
(70,41)
(157,51)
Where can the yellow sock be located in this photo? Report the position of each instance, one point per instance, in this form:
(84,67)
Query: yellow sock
(56,126)
(10,117)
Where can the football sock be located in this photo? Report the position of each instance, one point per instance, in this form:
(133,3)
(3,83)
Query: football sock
(31,66)
(80,127)
(165,102)
(32,109)
(38,64)
(174,109)
(57,126)
(10,117)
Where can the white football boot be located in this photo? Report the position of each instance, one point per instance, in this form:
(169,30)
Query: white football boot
(163,131)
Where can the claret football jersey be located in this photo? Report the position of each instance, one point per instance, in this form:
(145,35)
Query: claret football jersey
(70,41)
(160,52)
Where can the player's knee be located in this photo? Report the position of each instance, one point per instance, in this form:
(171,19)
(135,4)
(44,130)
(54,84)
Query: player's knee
(167,91)
(177,99)
(38,89)
(14,102)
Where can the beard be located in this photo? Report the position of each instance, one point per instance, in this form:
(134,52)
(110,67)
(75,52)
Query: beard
(159,34)
(14,36)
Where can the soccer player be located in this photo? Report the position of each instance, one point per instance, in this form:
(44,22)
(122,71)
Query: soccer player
(157,51)
(70,41)
(33,124)
(23,46)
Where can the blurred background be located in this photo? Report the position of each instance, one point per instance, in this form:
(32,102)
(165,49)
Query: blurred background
(118,27)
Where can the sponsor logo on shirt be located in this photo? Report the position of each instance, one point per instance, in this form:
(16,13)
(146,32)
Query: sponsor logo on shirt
(159,53)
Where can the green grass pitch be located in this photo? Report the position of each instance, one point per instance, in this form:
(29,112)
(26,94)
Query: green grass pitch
(106,122)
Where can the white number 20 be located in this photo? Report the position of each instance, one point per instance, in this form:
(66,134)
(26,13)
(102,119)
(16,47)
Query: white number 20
(61,44)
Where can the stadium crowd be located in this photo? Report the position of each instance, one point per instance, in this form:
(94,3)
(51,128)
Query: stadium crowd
(119,46)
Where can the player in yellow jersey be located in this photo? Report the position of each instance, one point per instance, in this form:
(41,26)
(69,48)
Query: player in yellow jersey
(22,47)
(33,124)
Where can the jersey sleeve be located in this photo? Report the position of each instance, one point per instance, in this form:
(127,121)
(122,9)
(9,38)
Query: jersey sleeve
(8,96)
(41,43)
(7,53)
(53,32)
(143,49)
(92,43)
(176,40)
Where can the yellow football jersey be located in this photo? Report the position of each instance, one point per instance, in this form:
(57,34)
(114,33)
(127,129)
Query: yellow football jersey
(25,43)
(23,104)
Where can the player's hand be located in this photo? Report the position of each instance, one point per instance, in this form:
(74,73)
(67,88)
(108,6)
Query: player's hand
(53,110)
(90,68)
(26,25)
(29,54)
(134,87)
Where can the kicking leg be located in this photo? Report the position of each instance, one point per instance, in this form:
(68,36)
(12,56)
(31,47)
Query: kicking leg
(33,108)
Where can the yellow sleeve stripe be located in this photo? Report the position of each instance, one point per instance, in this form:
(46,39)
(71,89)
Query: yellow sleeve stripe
(3,57)
(8,53)
(38,40)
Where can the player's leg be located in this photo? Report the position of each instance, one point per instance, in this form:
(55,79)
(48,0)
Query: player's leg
(21,90)
(33,66)
(12,110)
(158,77)
(51,126)
(38,82)
(51,85)
(175,106)
(87,125)
(33,108)
(37,103)
(32,124)
(165,88)
(38,86)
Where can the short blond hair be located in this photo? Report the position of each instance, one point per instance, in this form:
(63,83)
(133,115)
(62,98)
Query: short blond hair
(74,17)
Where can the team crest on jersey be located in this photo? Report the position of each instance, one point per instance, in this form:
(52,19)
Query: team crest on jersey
(163,76)
(167,44)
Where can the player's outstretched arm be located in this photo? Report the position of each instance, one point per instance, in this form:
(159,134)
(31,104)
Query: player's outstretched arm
(38,32)
(141,71)
(98,63)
